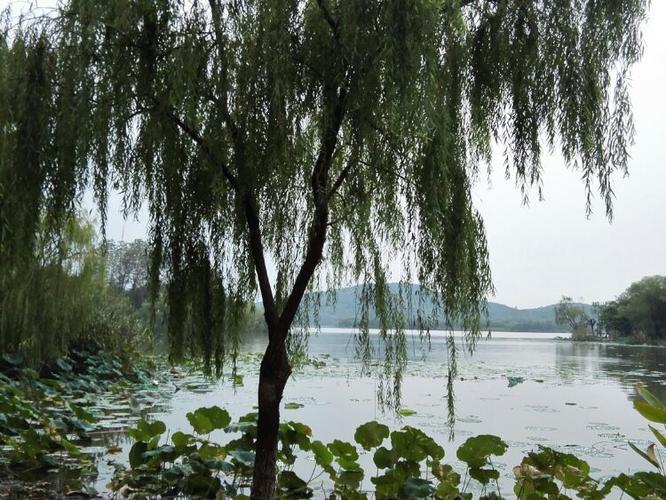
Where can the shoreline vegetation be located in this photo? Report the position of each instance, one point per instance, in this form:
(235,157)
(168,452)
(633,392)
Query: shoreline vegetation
(60,423)
(636,317)
(343,310)
(64,406)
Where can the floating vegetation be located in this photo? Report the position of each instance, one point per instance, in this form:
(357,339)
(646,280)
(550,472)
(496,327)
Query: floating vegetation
(540,428)
(470,419)
(536,439)
(191,465)
(513,381)
(57,423)
(542,408)
(602,426)
(406,463)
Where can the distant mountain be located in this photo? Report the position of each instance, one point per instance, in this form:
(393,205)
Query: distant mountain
(345,311)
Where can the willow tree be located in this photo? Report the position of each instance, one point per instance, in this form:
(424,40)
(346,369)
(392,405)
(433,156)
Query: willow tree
(325,138)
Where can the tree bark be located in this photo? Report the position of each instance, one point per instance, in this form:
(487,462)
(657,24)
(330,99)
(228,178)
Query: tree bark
(275,369)
(273,375)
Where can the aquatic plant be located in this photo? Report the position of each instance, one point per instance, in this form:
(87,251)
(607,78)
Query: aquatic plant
(410,465)
(48,418)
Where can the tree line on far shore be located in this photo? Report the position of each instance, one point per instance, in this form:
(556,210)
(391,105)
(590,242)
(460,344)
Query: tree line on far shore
(638,315)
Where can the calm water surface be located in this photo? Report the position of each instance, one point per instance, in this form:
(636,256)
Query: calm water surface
(576,397)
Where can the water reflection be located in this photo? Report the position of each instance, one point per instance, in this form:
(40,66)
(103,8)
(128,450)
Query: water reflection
(628,365)
(541,355)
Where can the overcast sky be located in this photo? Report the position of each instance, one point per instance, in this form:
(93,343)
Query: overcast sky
(549,248)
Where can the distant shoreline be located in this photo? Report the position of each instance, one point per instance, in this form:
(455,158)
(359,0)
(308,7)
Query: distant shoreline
(327,330)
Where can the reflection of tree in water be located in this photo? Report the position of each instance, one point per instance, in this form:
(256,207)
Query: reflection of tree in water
(629,365)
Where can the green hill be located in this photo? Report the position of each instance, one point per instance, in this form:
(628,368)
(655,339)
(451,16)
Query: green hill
(344,312)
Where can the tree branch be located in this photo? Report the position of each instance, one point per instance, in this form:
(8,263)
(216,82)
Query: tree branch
(332,23)
(465,3)
(251,215)
(342,176)
(198,139)
(257,251)
(249,202)
(223,104)
(319,226)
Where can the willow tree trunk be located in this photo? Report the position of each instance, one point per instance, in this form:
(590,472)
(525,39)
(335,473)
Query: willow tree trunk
(275,371)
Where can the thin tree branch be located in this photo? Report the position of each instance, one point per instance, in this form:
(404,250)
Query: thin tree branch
(342,176)
(223,104)
(199,140)
(332,23)
(318,228)
(249,202)
(251,214)
(257,250)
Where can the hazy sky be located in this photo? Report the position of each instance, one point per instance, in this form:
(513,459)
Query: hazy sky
(549,248)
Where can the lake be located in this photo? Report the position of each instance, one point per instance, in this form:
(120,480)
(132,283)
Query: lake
(574,397)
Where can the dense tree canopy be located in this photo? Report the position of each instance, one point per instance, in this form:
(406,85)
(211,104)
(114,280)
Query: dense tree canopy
(574,317)
(264,128)
(127,267)
(639,311)
(59,298)
(305,131)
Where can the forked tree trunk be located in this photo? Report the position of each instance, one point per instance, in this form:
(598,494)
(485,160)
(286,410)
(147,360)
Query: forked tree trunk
(275,371)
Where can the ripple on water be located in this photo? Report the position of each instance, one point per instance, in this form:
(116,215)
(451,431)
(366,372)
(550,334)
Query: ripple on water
(539,428)
(542,408)
(524,446)
(613,436)
(585,451)
(470,419)
(537,439)
(602,426)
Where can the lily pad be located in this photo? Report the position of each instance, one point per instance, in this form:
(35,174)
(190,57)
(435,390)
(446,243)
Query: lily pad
(207,419)
(476,450)
(292,406)
(513,381)
(371,434)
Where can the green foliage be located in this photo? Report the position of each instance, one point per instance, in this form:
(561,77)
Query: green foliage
(639,312)
(574,317)
(653,410)
(371,435)
(206,420)
(476,451)
(411,468)
(145,431)
(338,131)
(58,298)
(47,418)
(544,473)
(128,265)
(342,131)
